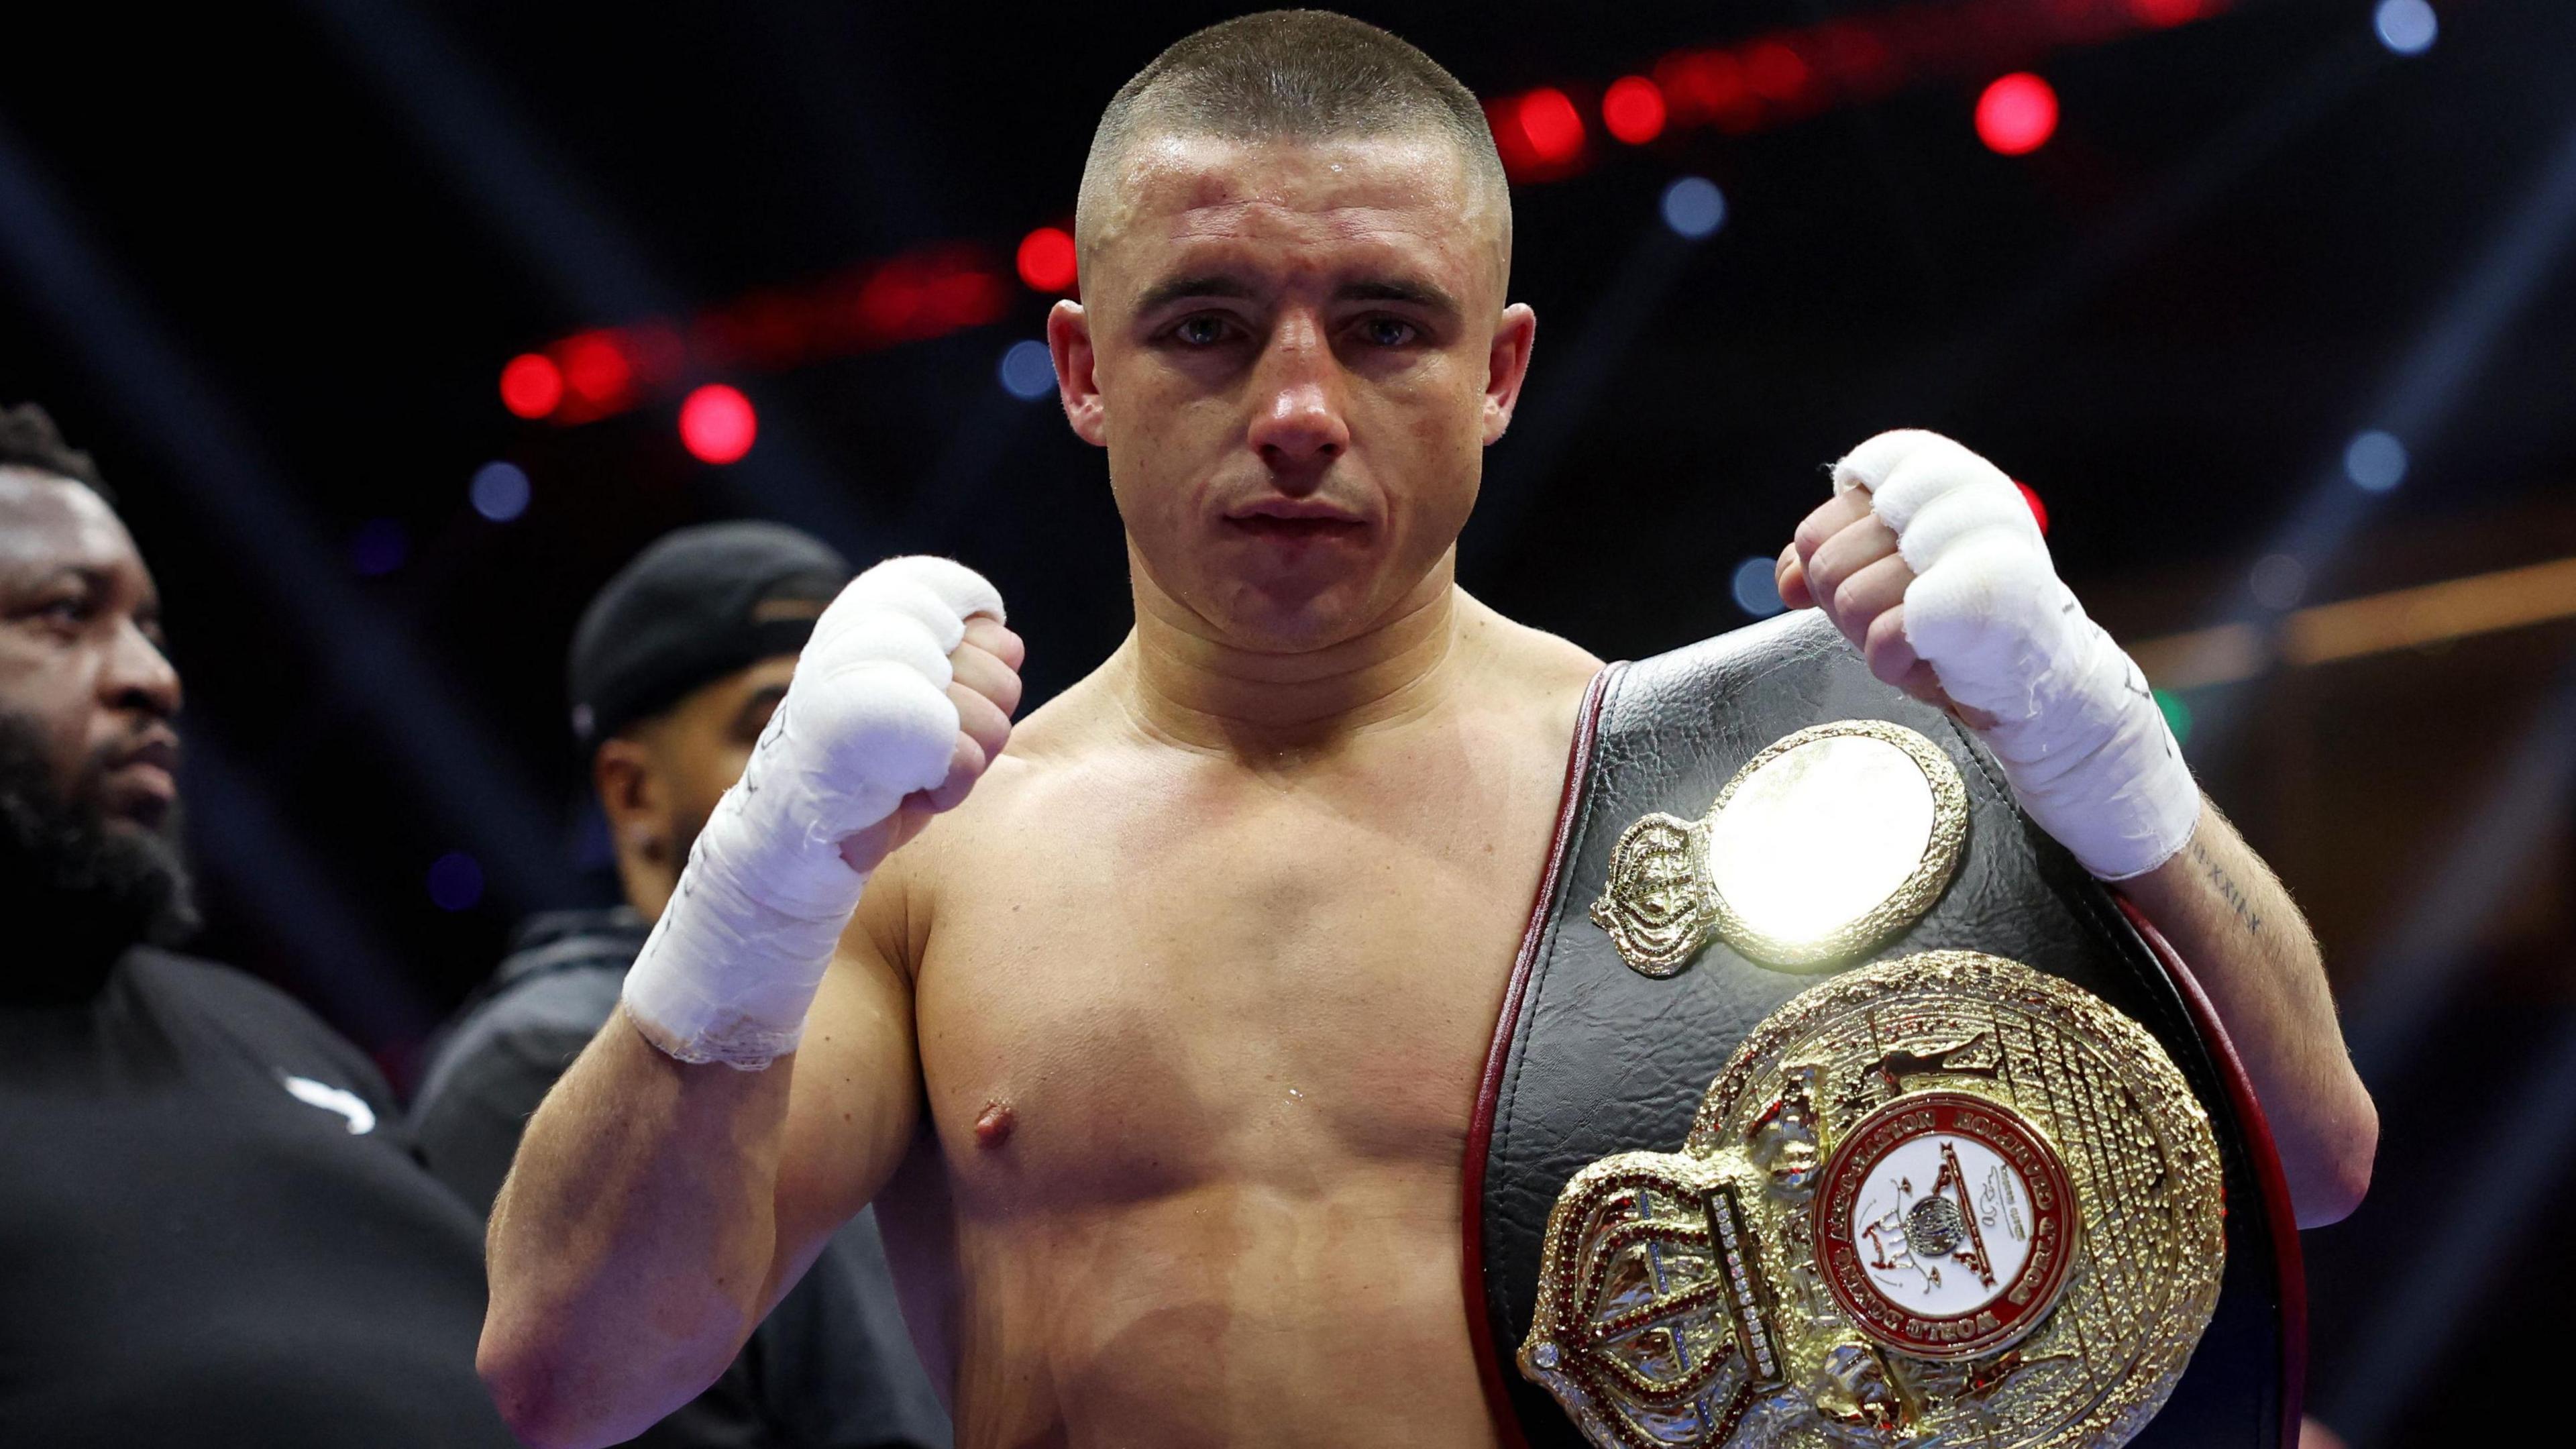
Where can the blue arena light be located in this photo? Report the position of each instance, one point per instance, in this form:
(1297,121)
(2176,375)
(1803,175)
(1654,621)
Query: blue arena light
(1756,590)
(1028,372)
(379,547)
(2278,581)
(1694,208)
(2406,26)
(499,491)
(455,881)
(2375,461)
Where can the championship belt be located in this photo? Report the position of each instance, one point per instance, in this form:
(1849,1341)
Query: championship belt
(1833,1104)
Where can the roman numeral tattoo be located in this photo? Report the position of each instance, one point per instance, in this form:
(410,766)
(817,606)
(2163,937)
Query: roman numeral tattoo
(2228,890)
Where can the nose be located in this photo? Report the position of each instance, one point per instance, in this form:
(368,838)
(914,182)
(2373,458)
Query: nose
(139,676)
(1300,427)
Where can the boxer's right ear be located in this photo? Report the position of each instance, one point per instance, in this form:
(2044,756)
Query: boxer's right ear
(1069,343)
(1507,367)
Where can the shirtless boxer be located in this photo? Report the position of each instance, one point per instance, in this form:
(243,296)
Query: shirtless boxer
(1161,1044)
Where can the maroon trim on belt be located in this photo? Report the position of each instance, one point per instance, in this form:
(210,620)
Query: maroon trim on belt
(1480,1128)
(2278,1214)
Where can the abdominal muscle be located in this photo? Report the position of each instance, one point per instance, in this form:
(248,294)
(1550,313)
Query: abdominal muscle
(1234,1312)
(1222,1313)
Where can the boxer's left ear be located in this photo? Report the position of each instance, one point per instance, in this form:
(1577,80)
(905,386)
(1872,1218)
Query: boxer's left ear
(1069,342)
(1507,366)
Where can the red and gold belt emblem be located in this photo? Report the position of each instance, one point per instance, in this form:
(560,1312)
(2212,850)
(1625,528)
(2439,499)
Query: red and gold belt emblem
(1947,1225)
(1941,1200)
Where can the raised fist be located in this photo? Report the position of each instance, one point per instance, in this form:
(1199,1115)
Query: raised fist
(900,701)
(1929,561)
(984,687)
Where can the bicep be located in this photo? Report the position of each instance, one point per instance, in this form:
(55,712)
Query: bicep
(855,1100)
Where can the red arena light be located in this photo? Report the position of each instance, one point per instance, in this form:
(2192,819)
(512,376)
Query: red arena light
(1633,109)
(1778,73)
(2017,114)
(717,424)
(1707,86)
(2162,13)
(596,370)
(1047,260)
(531,385)
(1550,123)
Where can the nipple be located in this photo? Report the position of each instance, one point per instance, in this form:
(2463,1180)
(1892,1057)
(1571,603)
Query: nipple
(993,1125)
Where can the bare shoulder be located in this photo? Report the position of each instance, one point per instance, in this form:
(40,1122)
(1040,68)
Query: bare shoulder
(1051,753)
(1532,664)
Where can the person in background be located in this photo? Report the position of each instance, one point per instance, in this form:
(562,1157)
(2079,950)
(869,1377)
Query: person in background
(674,671)
(212,1232)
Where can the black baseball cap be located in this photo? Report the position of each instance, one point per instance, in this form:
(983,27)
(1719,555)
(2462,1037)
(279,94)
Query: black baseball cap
(694,606)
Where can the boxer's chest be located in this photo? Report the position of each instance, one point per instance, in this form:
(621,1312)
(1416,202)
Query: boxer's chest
(1202,975)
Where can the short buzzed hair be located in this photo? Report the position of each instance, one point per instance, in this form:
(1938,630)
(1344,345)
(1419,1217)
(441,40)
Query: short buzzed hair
(1303,75)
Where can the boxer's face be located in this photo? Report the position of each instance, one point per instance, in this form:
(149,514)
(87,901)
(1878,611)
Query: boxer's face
(81,659)
(1295,353)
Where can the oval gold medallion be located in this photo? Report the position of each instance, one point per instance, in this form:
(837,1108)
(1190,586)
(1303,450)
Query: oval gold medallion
(1824,845)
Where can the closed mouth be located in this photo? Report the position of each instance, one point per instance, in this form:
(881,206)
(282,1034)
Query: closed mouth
(1298,530)
(161,751)
(143,782)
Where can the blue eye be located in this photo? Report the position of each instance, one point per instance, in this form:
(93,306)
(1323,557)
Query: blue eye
(1387,332)
(1203,331)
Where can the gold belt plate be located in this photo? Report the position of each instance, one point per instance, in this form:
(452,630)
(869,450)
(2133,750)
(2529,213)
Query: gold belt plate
(1880,801)
(1940,1200)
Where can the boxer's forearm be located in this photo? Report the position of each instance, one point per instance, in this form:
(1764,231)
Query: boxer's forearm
(637,1240)
(1928,560)
(631,1247)
(2252,952)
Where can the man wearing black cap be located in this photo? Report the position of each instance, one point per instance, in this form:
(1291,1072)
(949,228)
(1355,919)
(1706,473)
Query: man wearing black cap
(674,670)
(211,1233)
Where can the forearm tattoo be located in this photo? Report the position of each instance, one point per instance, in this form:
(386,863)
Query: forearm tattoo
(2228,890)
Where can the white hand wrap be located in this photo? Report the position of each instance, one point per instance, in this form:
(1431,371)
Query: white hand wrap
(732,966)
(2077,729)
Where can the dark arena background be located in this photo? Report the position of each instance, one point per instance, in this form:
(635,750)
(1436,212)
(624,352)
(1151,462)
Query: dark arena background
(398,325)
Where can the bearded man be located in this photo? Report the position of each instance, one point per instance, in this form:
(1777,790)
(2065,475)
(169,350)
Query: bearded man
(215,1231)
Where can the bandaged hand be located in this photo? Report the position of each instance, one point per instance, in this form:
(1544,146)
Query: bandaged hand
(899,702)
(1929,561)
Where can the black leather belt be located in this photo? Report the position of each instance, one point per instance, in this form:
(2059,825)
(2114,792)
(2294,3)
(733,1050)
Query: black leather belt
(1594,1056)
